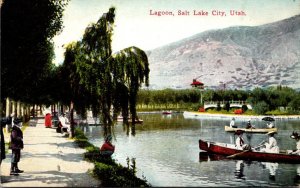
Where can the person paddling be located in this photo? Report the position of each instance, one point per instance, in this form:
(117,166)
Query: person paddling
(232,123)
(249,125)
(271,145)
(295,136)
(239,141)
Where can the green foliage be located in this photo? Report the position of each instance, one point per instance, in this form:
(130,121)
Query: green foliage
(194,106)
(107,170)
(261,108)
(27,49)
(294,104)
(219,106)
(117,176)
(274,97)
(227,106)
(102,78)
(277,112)
(244,108)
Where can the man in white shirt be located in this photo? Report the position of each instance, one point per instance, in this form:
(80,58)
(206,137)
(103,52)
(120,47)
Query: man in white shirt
(232,123)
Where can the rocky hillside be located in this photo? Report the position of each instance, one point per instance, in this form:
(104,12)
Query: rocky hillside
(237,57)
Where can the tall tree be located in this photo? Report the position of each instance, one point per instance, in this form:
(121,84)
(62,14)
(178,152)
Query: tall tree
(27,49)
(111,80)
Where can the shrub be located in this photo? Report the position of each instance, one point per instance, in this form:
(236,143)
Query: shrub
(106,169)
(261,108)
(219,106)
(244,108)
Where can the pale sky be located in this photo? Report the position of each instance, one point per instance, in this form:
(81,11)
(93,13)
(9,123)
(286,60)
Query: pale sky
(135,26)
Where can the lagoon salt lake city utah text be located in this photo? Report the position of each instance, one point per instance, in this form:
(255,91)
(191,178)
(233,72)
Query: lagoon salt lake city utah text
(197,13)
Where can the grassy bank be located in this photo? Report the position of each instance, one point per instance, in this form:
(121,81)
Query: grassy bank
(107,170)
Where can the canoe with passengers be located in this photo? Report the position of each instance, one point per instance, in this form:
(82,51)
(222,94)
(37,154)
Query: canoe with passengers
(250,130)
(230,151)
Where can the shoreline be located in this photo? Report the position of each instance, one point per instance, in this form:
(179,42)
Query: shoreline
(194,114)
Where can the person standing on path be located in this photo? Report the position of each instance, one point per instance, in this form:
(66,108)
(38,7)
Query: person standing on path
(48,120)
(16,144)
(3,123)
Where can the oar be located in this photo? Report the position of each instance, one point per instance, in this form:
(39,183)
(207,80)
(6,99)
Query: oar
(237,154)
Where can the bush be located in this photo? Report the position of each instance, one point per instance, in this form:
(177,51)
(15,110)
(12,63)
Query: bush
(227,106)
(115,175)
(261,108)
(244,108)
(106,169)
(219,106)
(195,107)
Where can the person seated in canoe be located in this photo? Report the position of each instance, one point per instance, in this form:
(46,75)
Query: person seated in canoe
(270,125)
(249,125)
(239,141)
(107,149)
(271,146)
(295,136)
(232,122)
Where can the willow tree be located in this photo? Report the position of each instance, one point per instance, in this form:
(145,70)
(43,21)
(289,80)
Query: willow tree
(112,80)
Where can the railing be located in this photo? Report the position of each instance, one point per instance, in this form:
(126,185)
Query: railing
(224,102)
(209,104)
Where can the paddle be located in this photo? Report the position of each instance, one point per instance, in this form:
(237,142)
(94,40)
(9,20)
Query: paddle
(237,154)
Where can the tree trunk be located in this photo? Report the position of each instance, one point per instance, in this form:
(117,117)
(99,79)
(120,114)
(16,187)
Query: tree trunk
(72,129)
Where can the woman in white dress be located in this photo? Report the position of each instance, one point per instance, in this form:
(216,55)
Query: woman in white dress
(271,145)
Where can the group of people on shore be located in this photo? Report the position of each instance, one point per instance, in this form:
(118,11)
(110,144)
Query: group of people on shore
(63,125)
(16,143)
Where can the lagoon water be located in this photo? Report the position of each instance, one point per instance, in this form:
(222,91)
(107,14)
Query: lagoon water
(166,152)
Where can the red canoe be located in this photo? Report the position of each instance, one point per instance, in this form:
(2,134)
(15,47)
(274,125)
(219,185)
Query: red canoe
(229,150)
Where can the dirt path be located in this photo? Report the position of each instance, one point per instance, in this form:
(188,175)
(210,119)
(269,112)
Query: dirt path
(48,160)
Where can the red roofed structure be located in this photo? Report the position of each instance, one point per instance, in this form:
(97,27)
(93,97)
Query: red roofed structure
(197,84)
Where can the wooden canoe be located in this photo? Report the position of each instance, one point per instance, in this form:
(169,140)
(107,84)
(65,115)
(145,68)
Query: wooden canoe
(256,130)
(229,150)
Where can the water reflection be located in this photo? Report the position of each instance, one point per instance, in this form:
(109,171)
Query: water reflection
(260,167)
(239,170)
(165,150)
(272,167)
(297,177)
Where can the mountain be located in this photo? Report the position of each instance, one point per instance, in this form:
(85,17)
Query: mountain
(241,57)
